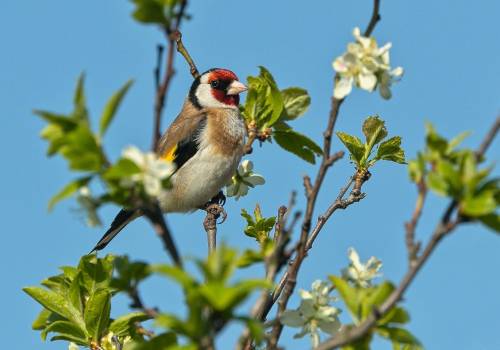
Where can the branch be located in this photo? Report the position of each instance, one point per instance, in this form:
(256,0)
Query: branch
(155,215)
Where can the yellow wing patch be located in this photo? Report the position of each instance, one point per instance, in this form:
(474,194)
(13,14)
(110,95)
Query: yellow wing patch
(170,155)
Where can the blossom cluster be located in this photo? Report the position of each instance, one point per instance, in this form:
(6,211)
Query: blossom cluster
(365,65)
(314,313)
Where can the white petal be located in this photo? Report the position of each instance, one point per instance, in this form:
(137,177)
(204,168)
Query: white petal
(383,49)
(320,287)
(398,71)
(339,65)
(330,327)
(242,191)
(307,308)
(73,346)
(152,185)
(291,319)
(134,154)
(246,166)
(164,169)
(255,179)
(354,257)
(367,81)
(304,294)
(343,87)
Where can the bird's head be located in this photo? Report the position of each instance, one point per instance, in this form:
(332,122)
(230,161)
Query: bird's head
(216,88)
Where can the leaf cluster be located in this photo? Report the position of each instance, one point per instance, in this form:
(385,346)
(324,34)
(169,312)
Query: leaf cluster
(454,172)
(360,303)
(375,131)
(77,304)
(268,110)
(217,294)
(258,227)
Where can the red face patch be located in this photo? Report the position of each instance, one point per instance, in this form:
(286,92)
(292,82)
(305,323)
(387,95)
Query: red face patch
(220,95)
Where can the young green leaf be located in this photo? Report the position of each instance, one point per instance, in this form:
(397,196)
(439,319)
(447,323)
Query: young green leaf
(354,145)
(67,330)
(124,167)
(97,312)
(122,325)
(149,11)
(374,128)
(390,150)
(349,296)
(481,204)
(112,107)
(296,102)
(296,143)
(492,221)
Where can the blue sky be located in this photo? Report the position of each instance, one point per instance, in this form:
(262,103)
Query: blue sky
(450,54)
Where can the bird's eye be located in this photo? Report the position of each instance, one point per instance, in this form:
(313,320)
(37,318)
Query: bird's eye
(214,83)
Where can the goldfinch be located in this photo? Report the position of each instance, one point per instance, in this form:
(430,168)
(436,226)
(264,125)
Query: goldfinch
(205,141)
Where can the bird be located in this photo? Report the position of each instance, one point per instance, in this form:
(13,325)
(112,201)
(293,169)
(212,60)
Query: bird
(206,143)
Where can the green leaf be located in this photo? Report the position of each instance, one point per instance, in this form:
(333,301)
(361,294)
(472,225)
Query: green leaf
(223,298)
(48,299)
(80,147)
(482,203)
(437,184)
(249,257)
(96,272)
(124,167)
(398,335)
(80,110)
(75,294)
(112,107)
(97,312)
(296,143)
(149,11)
(264,101)
(452,178)
(68,190)
(349,296)
(435,142)
(378,294)
(456,141)
(492,221)
(45,318)
(296,102)
(354,145)
(122,325)
(395,315)
(390,150)
(68,330)
(162,341)
(374,130)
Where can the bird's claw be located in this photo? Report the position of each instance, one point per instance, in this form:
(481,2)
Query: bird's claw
(216,210)
(219,198)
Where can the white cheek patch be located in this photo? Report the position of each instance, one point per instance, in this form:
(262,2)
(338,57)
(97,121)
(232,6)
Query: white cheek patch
(206,99)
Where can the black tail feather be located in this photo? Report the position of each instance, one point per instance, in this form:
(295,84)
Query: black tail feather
(121,220)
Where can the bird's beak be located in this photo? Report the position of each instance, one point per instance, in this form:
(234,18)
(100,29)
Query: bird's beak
(235,88)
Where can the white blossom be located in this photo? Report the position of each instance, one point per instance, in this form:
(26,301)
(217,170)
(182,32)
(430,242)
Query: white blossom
(244,178)
(359,273)
(314,313)
(73,346)
(365,65)
(152,170)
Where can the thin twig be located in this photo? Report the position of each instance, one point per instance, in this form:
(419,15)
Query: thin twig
(177,36)
(375,18)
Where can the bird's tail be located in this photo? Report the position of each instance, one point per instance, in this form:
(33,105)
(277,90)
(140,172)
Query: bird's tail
(121,220)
